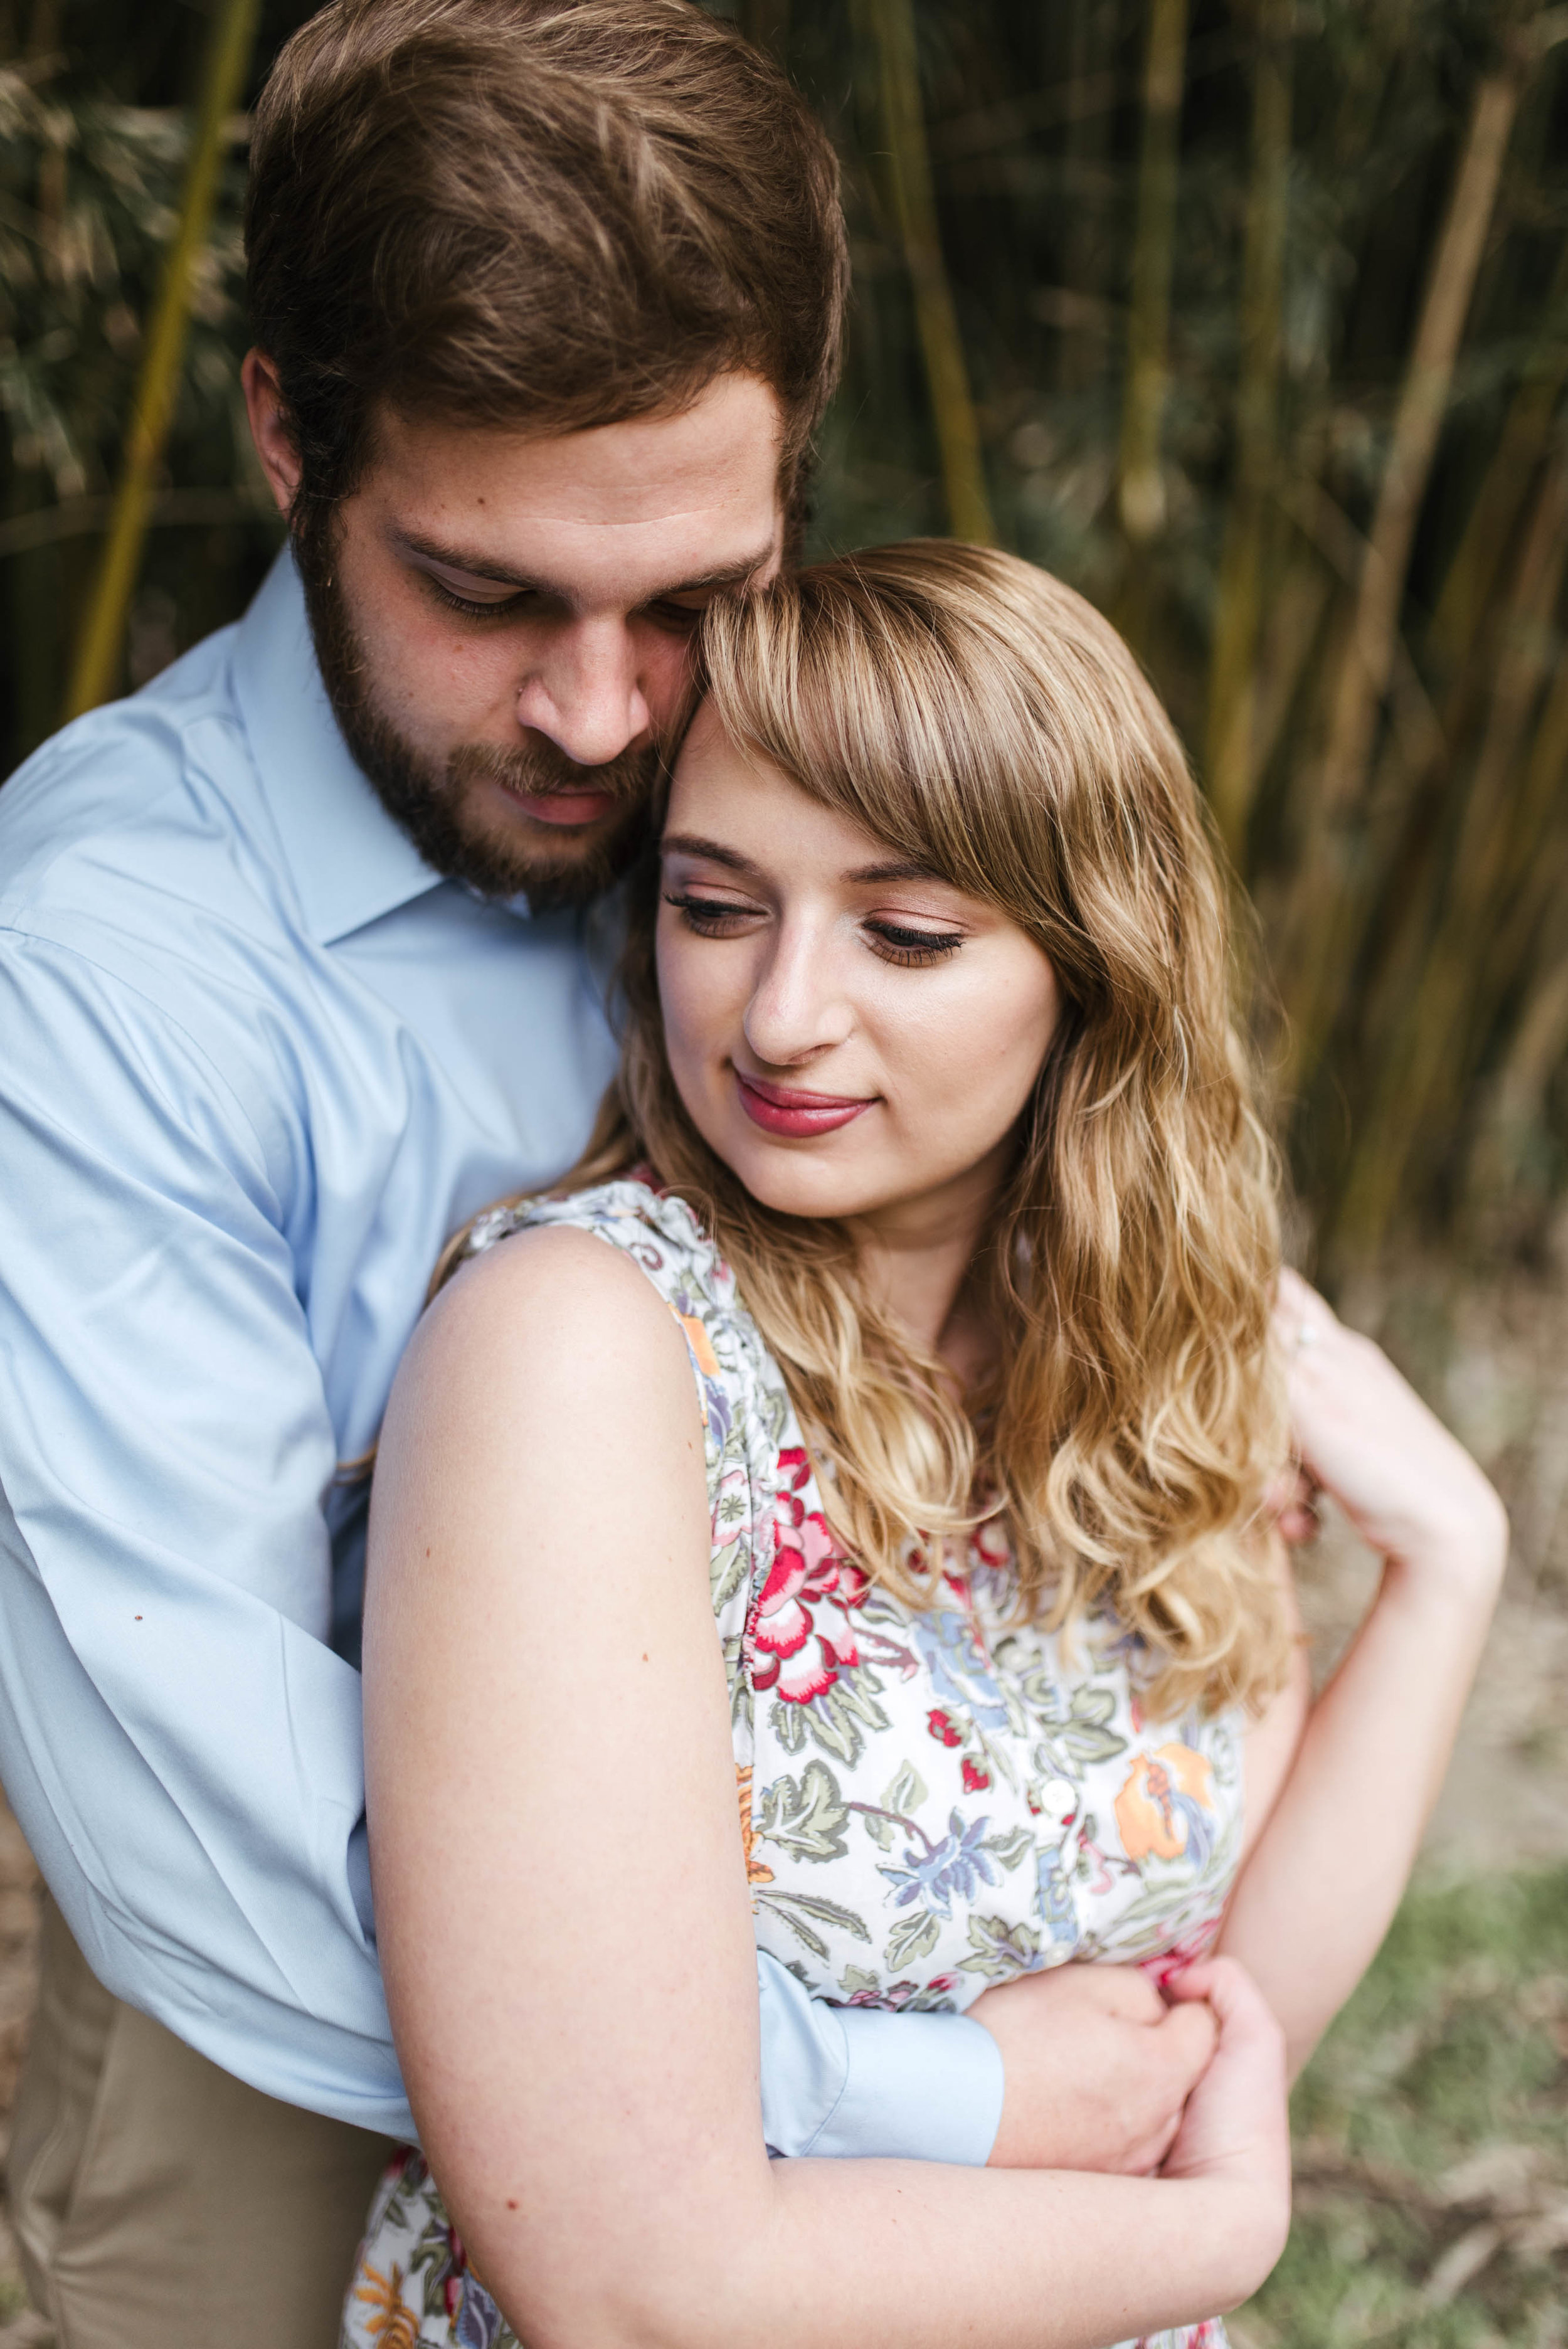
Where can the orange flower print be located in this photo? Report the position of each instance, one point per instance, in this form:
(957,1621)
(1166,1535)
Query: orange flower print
(701,1344)
(756,1870)
(393,2323)
(1160,1811)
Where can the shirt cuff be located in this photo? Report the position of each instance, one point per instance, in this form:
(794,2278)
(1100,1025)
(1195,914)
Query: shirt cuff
(918,2087)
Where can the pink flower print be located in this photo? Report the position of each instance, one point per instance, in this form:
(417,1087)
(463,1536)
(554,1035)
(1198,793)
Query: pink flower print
(1093,1853)
(974,1778)
(943,1727)
(990,1545)
(1194,1944)
(796,1650)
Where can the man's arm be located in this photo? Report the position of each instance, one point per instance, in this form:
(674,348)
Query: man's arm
(853,2081)
(181,1747)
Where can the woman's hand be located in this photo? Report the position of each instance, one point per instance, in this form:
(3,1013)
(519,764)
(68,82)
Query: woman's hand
(1235,2131)
(1365,1437)
(1097,2067)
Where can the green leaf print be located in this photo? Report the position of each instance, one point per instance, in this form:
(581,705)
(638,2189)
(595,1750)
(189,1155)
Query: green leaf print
(857,1978)
(1079,1734)
(907,1792)
(727,1572)
(833,1721)
(795,1906)
(1011,1849)
(810,1820)
(999,1950)
(789,1726)
(1086,1736)
(911,1938)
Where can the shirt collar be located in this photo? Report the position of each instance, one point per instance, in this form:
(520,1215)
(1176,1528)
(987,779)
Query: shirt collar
(350,862)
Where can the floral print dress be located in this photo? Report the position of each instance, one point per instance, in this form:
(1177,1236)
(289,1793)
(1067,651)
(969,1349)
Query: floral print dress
(931,1800)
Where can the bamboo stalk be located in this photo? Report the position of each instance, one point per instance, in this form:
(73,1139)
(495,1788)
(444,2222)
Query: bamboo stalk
(1140,495)
(1298,607)
(1537,867)
(1445,1019)
(97,658)
(1233,685)
(1324,914)
(1369,662)
(1476,561)
(1534,1053)
(1082,344)
(914,207)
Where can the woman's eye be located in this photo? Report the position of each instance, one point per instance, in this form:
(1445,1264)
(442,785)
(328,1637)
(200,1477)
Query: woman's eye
(709,915)
(913,947)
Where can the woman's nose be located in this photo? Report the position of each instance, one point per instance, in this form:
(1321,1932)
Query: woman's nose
(797,1008)
(584,692)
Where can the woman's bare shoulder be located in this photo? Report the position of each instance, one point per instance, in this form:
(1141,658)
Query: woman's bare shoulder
(547,1302)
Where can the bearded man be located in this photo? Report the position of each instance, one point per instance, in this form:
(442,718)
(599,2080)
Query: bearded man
(303,959)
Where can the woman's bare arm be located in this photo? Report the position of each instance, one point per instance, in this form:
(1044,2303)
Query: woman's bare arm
(1318,1892)
(562,1909)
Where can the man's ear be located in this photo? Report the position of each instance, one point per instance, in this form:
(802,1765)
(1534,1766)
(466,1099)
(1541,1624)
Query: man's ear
(272,429)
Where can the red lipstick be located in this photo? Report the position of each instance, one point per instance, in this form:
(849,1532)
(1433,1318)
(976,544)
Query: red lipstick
(782,1109)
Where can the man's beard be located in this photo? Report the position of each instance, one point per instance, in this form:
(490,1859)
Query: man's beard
(430,801)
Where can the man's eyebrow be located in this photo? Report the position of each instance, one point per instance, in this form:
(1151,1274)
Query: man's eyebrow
(689,844)
(726,575)
(480,566)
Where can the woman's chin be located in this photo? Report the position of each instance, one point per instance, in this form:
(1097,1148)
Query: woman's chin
(803,1181)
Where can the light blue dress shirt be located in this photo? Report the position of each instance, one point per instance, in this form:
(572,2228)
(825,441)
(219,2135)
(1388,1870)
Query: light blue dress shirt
(257,1061)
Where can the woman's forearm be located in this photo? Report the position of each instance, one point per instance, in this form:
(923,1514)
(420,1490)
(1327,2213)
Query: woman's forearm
(833,2255)
(1319,1891)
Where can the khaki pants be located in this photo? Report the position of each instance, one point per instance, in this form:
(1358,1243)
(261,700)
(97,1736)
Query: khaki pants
(160,2203)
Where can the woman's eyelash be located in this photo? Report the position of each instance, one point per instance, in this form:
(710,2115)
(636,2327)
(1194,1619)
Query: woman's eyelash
(698,910)
(910,948)
(913,947)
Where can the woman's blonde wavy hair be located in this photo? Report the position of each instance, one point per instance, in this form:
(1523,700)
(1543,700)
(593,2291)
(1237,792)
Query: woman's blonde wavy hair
(982,719)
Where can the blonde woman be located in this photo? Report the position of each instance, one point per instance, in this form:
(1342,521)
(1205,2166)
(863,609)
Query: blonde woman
(836,1521)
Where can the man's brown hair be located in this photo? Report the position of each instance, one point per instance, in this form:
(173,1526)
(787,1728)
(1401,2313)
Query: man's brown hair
(543,214)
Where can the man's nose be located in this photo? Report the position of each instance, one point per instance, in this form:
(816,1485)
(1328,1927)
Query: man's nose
(797,1008)
(584,692)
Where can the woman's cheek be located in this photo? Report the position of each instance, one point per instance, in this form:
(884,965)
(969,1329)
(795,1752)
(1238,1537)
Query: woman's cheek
(679,1003)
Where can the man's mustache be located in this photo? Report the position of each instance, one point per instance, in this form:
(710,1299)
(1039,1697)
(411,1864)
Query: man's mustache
(538,769)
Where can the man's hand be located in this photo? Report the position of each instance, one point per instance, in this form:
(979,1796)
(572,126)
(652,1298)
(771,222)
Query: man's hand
(1097,2068)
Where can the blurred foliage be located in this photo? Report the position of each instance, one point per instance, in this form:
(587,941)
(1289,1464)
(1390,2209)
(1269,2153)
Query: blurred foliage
(1431,2150)
(1250,318)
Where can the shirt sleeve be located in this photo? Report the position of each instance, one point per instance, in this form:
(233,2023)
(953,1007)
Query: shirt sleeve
(851,2080)
(182,1747)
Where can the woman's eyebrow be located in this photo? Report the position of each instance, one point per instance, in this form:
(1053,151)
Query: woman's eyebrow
(904,870)
(687,844)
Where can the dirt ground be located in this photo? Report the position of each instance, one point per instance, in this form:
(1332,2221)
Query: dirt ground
(1494,1360)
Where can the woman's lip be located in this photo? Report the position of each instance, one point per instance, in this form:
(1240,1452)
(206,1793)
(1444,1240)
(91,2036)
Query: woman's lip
(781,1109)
